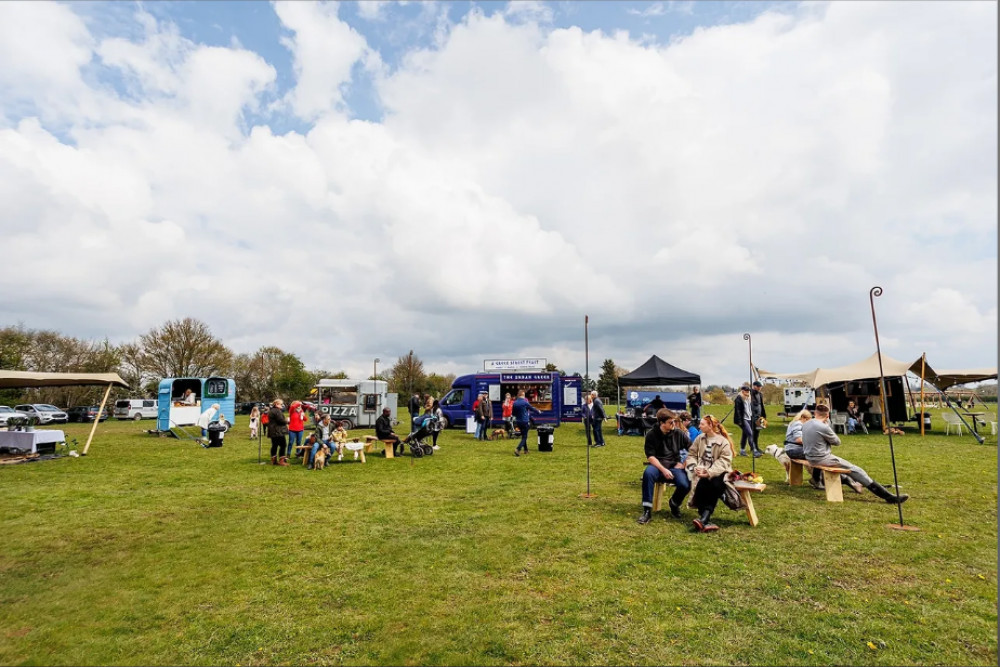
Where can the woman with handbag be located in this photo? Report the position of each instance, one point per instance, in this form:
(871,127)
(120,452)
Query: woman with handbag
(709,462)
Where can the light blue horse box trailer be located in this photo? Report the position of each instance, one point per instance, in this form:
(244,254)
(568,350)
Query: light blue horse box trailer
(173,411)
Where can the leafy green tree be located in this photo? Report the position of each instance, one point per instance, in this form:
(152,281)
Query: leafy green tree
(607,383)
(407,376)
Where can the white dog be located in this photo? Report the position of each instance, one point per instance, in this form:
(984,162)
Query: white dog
(780,455)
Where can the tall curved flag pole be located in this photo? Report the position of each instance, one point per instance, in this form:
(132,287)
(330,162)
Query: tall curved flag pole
(753,427)
(586,376)
(874,292)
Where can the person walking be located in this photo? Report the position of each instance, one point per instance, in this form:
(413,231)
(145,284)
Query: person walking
(598,419)
(743,417)
(522,418)
(694,403)
(254,422)
(588,418)
(277,431)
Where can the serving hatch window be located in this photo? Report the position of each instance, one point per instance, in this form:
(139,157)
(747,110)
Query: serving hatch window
(338,395)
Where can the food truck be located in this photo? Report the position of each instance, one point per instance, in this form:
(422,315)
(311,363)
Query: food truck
(354,402)
(173,410)
(559,397)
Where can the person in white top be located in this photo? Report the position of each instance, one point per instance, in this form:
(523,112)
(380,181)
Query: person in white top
(207,417)
(189,397)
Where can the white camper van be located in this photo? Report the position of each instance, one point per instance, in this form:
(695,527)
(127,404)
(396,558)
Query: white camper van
(355,402)
(136,408)
(797,398)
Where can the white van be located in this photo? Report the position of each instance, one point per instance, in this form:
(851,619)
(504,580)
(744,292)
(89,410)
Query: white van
(136,408)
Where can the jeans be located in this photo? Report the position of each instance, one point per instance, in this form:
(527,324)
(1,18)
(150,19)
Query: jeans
(294,438)
(523,427)
(598,435)
(651,475)
(748,434)
(852,425)
(695,414)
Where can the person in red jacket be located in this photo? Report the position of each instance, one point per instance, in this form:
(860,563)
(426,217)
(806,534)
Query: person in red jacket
(296,425)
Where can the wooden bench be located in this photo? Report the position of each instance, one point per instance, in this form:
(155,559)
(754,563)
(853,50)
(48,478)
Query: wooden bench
(744,489)
(831,478)
(304,451)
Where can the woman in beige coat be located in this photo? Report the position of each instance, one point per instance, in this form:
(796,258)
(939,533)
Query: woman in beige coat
(709,460)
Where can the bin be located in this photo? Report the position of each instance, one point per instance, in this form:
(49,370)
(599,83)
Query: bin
(470,424)
(216,430)
(546,434)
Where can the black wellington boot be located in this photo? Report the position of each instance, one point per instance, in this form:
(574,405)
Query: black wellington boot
(884,494)
(647,515)
(703,520)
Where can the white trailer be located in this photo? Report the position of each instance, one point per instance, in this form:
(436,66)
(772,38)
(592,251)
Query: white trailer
(355,402)
(797,398)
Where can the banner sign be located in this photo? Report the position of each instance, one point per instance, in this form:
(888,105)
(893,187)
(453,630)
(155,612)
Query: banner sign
(513,364)
(526,377)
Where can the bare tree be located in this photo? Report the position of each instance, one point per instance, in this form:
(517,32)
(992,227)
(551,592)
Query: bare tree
(184,348)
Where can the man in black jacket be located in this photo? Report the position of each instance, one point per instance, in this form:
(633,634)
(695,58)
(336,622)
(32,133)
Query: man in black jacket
(743,417)
(663,452)
(383,431)
(757,405)
(694,403)
(414,407)
(277,431)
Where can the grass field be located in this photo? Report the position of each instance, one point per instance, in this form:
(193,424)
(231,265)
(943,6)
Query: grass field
(155,551)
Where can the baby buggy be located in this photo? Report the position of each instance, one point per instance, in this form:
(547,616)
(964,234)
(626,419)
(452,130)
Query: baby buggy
(423,426)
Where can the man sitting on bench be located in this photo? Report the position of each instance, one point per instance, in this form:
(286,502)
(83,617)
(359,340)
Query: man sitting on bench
(817,438)
(383,431)
(663,446)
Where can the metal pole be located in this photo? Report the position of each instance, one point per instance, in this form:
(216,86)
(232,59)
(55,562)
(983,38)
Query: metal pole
(378,394)
(923,370)
(874,292)
(753,426)
(586,387)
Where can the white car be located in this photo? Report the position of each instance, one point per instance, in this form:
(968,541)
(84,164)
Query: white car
(46,413)
(6,412)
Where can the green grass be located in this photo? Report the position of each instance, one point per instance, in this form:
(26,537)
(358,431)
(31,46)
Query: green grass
(156,551)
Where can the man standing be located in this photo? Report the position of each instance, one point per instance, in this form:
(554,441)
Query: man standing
(277,431)
(743,417)
(598,419)
(414,407)
(484,417)
(522,419)
(757,404)
(817,438)
(694,403)
(663,453)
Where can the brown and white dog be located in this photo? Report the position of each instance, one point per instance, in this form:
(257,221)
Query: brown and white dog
(779,453)
(499,434)
(321,455)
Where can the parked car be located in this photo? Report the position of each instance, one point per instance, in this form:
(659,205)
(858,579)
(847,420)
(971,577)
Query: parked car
(85,413)
(6,412)
(136,408)
(47,414)
(247,408)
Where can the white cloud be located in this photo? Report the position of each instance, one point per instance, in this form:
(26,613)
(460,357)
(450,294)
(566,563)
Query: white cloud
(758,176)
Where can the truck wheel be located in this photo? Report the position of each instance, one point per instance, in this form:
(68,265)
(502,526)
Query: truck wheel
(348,424)
(444,423)
(137,416)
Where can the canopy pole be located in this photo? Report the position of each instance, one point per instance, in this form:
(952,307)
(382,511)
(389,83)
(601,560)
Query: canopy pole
(753,425)
(923,370)
(97,419)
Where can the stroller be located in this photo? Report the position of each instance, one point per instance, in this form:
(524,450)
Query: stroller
(423,426)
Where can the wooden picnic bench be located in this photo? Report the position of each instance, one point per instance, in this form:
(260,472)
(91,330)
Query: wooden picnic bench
(744,489)
(831,478)
(389,454)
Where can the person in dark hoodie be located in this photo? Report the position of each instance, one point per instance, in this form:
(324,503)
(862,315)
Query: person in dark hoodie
(663,452)
(277,431)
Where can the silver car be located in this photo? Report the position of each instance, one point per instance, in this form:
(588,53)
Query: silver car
(6,412)
(47,414)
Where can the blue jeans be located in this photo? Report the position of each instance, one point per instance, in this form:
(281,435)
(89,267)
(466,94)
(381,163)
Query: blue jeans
(748,434)
(852,425)
(294,438)
(598,435)
(651,475)
(316,448)
(523,427)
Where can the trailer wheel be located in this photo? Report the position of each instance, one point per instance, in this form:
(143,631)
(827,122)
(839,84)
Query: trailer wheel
(444,422)
(348,424)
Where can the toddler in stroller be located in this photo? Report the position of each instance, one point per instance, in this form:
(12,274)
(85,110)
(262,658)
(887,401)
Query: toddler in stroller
(423,426)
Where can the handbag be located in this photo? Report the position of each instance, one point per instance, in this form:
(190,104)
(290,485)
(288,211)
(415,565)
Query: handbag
(731,497)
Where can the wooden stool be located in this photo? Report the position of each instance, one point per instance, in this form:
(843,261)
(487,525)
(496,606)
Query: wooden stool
(305,450)
(658,490)
(831,478)
(745,489)
(389,444)
(370,441)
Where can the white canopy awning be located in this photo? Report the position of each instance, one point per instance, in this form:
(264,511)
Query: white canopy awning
(19,379)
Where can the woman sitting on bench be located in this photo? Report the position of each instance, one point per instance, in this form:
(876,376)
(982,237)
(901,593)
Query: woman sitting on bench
(709,460)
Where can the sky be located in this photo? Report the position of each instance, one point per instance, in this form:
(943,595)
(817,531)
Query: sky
(351,181)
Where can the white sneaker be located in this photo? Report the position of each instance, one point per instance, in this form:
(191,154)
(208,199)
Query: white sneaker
(355,456)
(340,457)
(436,447)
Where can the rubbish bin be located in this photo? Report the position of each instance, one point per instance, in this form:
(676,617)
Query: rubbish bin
(927,420)
(216,430)
(546,434)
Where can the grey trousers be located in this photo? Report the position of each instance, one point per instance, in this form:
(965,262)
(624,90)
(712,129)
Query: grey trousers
(857,474)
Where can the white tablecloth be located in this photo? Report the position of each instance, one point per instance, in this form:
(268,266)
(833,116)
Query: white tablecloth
(29,440)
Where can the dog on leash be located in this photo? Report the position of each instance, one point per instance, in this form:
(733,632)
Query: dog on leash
(321,456)
(499,434)
(780,455)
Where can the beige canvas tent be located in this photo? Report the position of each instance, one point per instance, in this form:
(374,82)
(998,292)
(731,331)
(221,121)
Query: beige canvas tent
(21,379)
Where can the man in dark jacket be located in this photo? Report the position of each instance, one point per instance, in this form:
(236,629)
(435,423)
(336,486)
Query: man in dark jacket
(597,420)
(663,453)
(744,419)
(383,431)
(694,403)
(414,407)
(757,404)
(277,431)
(484,416)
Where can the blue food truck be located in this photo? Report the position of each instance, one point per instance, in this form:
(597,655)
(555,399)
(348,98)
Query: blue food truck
(557,396)
(174,411)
